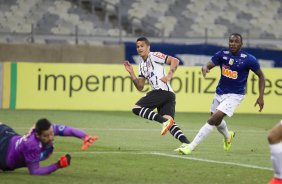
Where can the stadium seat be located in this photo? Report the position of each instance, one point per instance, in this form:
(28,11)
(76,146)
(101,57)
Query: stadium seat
(155,18)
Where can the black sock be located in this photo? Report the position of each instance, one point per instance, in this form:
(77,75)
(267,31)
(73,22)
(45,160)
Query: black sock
(178,134)
(148,114)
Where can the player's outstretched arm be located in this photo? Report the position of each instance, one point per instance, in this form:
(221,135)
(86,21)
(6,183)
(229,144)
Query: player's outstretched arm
(128,67)
(173,62)
(35,169)
(138,82)
(206,68)
(260,100)
(63,130)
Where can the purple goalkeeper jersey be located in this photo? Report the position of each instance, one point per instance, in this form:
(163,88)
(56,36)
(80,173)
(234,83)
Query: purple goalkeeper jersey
(28,151)
(234,70)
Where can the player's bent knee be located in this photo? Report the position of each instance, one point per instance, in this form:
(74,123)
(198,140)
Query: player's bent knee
(273,138)
(211,121)
(270,138)
(215,120)
(136,106)
(136,110)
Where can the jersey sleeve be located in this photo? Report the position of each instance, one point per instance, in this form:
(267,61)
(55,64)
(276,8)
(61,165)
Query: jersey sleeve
(59,129)
(253,63)
(35,169)
(216,58)
(159,57)
(63,130)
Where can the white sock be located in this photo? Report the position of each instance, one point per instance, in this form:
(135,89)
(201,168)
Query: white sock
(276,158)
(201,135)
(222,128)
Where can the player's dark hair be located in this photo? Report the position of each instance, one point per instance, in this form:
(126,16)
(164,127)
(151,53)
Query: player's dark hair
(144,39)
(237,34)
(42,125)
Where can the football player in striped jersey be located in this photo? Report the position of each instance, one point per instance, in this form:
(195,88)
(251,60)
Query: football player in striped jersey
(162,96)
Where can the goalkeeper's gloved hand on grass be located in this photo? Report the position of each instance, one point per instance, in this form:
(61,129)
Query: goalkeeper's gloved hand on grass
(87,141)
(64,161)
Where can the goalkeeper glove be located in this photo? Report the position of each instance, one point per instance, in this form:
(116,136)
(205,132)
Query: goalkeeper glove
(64,161)
(87,141)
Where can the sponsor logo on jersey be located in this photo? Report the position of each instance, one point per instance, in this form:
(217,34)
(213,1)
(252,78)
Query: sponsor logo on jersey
(229,73)
(231,61)
(62,127)
(243,55)
(159,55)
(224,57)
(226,52)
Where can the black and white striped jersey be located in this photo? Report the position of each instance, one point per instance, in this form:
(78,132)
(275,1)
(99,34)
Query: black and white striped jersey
(153,70)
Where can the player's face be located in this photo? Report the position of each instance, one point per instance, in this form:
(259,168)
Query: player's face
(143,49)
(235,44)
(46,137)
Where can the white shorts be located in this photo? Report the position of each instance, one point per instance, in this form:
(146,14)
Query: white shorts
(226,103)
(281,121)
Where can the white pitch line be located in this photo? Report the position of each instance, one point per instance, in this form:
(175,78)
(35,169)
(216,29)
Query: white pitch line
(176,156)
(213,161)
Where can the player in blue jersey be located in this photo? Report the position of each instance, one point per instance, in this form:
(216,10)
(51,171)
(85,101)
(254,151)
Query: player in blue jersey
(18,151)
(235,65)
(275,146)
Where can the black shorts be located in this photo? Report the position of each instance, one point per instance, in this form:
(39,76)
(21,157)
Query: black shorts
(6,133)
(164,101)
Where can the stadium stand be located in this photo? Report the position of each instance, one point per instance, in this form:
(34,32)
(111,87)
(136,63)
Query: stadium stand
(258,19)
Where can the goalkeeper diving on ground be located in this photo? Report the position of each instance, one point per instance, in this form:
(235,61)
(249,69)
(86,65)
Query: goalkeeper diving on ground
(17,151)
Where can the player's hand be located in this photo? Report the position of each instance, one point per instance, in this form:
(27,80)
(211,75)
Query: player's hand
(64,161)
(87,141)
(260,102)
(128,66)
(165,79)
(205,70)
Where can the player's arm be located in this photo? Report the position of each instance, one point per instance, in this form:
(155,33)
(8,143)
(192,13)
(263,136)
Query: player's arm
(63,130)
(31,154)
(206,68)
(173,62)
(260,100)
(35,169)
(138,82)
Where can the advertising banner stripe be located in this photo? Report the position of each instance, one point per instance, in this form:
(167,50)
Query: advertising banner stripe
(6,85)
(13,86)
(1,84)
(109,88)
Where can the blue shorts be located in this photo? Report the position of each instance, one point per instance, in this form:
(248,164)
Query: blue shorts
(6,133)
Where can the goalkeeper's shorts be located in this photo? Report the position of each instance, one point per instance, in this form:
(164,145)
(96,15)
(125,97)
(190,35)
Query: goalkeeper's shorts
(6,133)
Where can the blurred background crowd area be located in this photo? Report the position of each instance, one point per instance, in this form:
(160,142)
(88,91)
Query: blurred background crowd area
(98,22)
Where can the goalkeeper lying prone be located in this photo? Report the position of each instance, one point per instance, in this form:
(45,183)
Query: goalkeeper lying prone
(18,151)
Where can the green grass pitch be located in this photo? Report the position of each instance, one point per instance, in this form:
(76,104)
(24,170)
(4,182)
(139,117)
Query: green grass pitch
(132,151)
